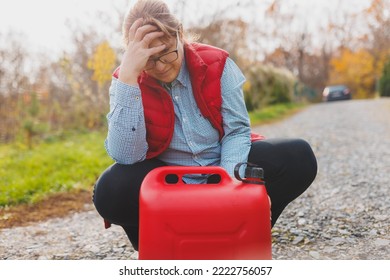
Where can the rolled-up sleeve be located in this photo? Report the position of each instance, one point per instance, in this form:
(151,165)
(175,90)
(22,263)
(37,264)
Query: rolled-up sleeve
(126,138)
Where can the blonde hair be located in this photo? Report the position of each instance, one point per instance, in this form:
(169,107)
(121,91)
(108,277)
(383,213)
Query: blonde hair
(154,12)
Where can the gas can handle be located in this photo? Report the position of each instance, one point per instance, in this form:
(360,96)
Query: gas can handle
(253,173)
(237,170)
(180,171)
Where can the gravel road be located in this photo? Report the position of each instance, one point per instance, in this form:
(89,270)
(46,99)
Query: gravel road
(344,214)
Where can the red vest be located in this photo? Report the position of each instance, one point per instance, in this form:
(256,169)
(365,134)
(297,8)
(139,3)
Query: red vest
(205,65)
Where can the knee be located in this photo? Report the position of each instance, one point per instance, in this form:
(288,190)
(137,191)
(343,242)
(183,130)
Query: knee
(306,158)
(115,198)
(102,193)
(102,186)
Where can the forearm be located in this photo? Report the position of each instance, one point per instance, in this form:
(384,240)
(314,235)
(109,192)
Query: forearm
(235,149)
(236,142)
(126,139)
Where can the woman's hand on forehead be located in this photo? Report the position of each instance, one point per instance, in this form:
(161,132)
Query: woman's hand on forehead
(139,50)
(146,33)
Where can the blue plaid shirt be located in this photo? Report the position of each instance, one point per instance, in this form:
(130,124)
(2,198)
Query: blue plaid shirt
(195,142)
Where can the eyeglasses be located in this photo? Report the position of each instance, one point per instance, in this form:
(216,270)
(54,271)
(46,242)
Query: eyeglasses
(166,58)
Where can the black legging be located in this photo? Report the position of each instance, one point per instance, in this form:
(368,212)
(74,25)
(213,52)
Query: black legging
(289,168)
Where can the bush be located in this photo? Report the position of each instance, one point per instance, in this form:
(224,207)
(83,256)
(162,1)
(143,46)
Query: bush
(384,82)
(267,85)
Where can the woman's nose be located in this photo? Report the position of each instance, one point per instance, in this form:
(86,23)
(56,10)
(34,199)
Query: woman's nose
(159,65)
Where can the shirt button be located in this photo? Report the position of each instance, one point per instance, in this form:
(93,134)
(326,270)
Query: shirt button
(176,97)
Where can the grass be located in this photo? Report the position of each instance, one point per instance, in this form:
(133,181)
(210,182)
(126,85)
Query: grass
(28,176)
(274,113)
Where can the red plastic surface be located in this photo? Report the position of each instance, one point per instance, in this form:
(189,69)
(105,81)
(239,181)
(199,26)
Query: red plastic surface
(227,220)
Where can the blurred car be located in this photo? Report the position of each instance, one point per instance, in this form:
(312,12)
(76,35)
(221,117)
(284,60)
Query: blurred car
(333,93)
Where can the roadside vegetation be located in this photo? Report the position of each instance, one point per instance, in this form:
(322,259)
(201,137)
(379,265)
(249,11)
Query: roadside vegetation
(60,165)
(274,113)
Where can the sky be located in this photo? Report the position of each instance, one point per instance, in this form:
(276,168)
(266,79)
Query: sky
(42,22)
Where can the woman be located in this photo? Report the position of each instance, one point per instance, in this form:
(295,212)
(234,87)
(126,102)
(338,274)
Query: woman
(179,103)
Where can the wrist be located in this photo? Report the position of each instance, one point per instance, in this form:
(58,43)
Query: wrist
(128,78)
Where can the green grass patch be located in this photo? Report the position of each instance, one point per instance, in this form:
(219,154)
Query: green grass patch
(29,175)
(274,113)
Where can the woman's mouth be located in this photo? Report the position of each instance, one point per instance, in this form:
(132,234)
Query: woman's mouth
(163,73)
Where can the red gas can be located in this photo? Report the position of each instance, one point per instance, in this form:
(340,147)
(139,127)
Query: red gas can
(225,220)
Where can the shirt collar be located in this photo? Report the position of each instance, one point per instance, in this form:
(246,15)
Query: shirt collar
(183,76)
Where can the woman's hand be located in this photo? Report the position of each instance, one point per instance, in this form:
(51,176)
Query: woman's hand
(270,211)
(138,51)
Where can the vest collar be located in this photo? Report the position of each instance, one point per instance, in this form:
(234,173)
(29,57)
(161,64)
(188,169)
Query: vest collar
(198,69)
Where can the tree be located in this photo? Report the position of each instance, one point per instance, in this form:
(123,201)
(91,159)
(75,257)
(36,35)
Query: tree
(84,68)
(294,45)
(356,69)
(227,34)
(30,124)
(384,83)
(14,82)
(102,63)
(377,39)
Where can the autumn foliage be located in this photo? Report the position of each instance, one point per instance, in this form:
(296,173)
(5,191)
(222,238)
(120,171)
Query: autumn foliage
(102,63)
(356,69)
